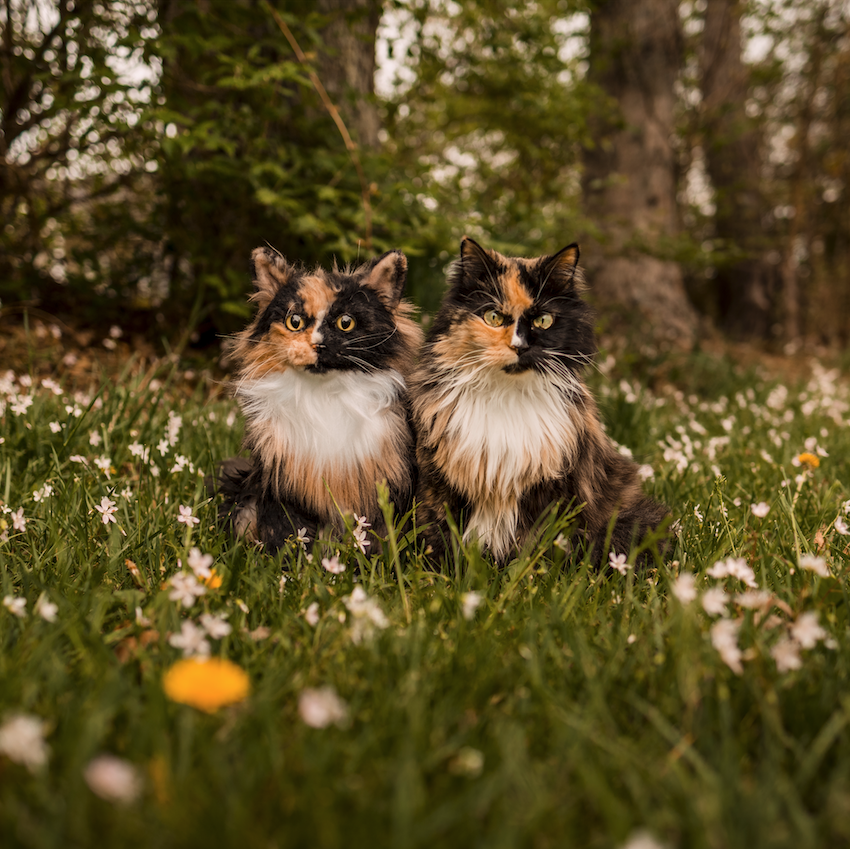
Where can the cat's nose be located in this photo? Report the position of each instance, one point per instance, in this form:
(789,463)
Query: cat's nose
(518,341)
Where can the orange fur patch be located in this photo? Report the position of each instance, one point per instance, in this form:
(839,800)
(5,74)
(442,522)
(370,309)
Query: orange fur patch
(517,298)
(316,295)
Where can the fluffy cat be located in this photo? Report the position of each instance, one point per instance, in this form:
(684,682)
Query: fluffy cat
(321,383)
(505,425)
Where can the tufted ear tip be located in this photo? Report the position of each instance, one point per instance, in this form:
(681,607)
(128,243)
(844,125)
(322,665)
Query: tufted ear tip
(563,263)
(270,272)
(387,276)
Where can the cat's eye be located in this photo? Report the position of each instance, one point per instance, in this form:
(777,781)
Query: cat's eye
(345,323)
(543,322)
(494,318)
(294,322)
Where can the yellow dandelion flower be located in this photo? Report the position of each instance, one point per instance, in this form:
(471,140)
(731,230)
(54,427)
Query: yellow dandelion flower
(807,459)
(206,684)
(214,580)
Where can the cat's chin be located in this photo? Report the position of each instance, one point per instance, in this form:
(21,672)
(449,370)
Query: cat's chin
(517,368)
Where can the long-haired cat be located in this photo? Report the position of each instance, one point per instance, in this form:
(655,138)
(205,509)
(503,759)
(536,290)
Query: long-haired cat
(321,382)
(505,425)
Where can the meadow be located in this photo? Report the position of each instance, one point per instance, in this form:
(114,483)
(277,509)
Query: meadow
(353,696)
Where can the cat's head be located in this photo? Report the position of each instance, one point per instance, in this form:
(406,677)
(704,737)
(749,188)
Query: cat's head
(515,315)
(321,321)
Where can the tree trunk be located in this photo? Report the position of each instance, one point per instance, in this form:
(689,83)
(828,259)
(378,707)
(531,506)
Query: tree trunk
(630,174)
(347,69)
(747,288)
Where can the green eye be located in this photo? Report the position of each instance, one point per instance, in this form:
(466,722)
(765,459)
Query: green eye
(493,318)
(294,322)
(345,323)
(543,322)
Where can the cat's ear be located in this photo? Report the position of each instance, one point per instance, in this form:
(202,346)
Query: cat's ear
(386,277)
(560,266)
(475,262)
(271,272)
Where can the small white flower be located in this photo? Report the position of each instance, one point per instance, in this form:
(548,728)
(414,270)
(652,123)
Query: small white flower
(321,707)
(140,451)
(15,606)
(333,565)
(200,563)
(186,516)
(786,653)
(141,619)
(618,562)
(185,588)
(470,602)
(754,599)
(301,538)
(191,640)
(846,508)
(113,779)
(366,613)
(734,567)
(95,439)
(55,427)
(685,588)
(107,509)
(46,609)
(714,601)
(697,513)
(18,520)
(22,741)
(104,463)
(841,526)
(311,614)
(215,626)
(42,494)
(760,510)
(163,446)
(78,458)
(806,630)
(724,638)
(814,564)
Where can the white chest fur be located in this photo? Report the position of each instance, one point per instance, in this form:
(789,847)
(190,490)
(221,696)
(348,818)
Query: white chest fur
(333,421)
(504,433)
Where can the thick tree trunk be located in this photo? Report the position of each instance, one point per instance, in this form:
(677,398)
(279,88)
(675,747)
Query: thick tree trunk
(348,65)
(630,175)
(747,289)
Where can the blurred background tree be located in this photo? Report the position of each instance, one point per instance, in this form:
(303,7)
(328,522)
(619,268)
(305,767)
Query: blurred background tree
(696,149)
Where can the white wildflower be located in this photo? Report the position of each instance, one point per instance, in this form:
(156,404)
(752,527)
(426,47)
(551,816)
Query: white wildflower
(186,516)
(760,510)
(16,606)
(191,640)
(714,601)
(215,626)
(366,612)
(724,638)
(19,522)
(22,741)
(841,526)
(806,630)
(814,564)
(107,509)
(113,779)
(46,609)
(685,588)
(786,653)
(200,563)
(333,565)
(321,707)
(185,588)
(311,614)
(754,599)
(470,602)
(55,427)
(618,562)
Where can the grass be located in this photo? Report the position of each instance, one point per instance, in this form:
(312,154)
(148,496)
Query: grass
(571,708)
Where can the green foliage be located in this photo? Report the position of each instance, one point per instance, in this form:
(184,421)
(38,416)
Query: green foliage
(568,708)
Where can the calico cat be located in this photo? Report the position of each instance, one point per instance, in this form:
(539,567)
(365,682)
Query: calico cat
(321,383)
(505,425)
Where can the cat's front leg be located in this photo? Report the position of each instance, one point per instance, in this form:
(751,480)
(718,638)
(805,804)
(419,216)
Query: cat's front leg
(278,521)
